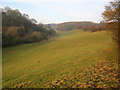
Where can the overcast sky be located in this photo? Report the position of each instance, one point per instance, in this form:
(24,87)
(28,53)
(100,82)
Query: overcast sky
(58,11)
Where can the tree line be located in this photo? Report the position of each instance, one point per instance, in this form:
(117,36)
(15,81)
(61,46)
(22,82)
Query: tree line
(111,17)
(18,28)
(86,26)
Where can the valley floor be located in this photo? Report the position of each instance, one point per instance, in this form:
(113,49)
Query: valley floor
(70,59)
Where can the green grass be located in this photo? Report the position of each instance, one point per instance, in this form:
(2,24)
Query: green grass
(65,55)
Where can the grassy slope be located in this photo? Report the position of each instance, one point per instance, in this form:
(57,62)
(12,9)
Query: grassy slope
(65,55)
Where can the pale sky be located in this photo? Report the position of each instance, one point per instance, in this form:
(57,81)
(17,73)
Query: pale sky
(58,11)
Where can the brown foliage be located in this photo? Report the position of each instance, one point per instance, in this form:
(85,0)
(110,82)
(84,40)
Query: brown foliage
(102,75)
(111,16)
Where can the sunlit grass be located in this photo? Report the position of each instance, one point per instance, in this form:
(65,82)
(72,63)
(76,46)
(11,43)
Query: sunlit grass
(65,55)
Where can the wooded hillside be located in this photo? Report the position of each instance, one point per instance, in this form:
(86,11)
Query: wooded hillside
(86,26)
(18,28)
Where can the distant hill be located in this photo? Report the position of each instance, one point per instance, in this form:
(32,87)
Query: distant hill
(74,25)
(86,25)
(52,25)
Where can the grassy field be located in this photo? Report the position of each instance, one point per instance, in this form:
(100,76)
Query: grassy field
(60,59)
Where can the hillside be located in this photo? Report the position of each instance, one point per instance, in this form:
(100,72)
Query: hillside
(62,61)
(85,25)
(19,28)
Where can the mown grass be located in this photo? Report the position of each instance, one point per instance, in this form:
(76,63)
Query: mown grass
(39,65)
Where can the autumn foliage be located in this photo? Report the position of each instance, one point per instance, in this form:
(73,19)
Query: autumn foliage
(111,16)
(18,28)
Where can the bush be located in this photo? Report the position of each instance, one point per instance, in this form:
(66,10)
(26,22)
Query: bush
(113,28)
(11,36)
(33,37)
